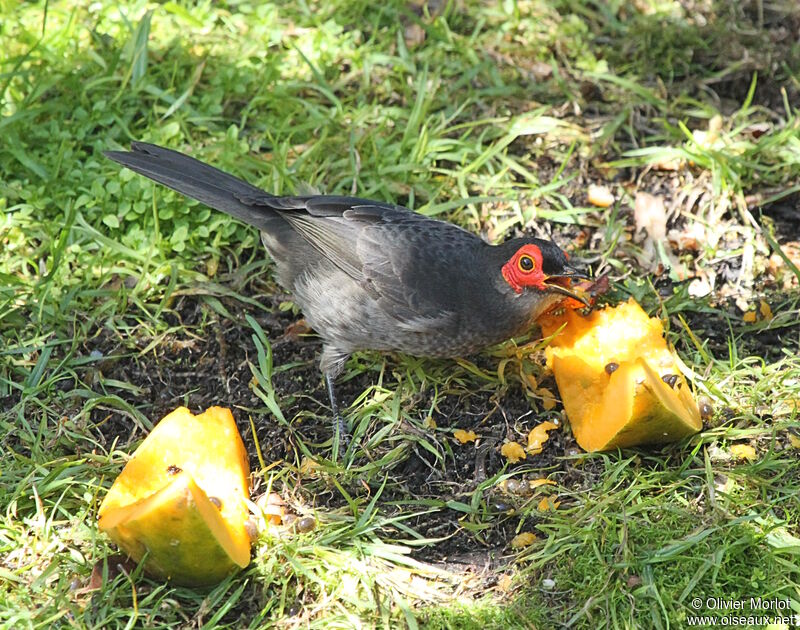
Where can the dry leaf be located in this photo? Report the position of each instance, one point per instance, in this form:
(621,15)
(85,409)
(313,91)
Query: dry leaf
(294,330)
(117,563)
(758,129)
(414,35)
(634,581)
(650,215)
(689,237)
(513,452)
(674,163)
(700,287)
(749,317)
(765,310)
(309,468)
(541,70)
(504,583)
(465,436)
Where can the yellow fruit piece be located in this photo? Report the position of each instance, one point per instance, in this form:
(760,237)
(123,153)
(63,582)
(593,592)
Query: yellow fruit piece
(548,504)
(620,383)
(465,436)
(525,539)
(513,452)
(744,451)
(183,497)
(538,436)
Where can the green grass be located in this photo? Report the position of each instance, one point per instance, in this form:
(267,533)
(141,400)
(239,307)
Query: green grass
(114,292)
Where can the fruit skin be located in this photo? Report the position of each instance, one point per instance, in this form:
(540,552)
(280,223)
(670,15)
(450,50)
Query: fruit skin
(370,275)
(196,461)
(609,368)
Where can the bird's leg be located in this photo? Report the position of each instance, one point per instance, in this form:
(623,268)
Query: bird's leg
(332,363)
(339,430)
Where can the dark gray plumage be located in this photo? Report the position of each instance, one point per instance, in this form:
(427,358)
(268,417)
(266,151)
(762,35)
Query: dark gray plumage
(373,275)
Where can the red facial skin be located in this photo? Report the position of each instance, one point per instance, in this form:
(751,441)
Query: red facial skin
(518,272)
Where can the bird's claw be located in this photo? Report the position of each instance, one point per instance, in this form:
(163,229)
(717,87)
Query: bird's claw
(341,437)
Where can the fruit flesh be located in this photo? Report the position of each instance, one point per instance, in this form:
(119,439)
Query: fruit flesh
(610,368)
(192,470)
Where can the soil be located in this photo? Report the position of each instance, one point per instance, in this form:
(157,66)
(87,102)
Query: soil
(205,364)
(206,361)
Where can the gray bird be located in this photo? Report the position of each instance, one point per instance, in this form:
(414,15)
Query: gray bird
(370,275)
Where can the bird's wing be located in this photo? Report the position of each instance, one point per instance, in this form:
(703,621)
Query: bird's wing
(394,254)
(415,266)
(399,257)
(323,222)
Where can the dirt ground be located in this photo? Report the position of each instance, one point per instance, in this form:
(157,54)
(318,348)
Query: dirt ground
(206,363)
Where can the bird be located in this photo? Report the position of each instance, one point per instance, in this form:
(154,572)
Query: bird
(371,275)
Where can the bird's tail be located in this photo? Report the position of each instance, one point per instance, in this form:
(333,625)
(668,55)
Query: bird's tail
(197,180)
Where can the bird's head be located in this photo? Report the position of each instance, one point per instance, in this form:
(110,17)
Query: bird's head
(541,266)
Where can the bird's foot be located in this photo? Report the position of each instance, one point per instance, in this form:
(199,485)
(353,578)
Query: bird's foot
(341,438)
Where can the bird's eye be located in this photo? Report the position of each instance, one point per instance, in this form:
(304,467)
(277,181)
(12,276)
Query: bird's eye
(526,263)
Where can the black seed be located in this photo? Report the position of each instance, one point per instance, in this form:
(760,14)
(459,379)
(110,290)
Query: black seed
(305,524)
(216,502)
(515,486)
(611,367)
(706,410)
(172,469)
(670,379)
(251,528)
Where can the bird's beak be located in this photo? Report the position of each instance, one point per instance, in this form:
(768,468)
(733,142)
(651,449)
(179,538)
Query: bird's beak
(559,283)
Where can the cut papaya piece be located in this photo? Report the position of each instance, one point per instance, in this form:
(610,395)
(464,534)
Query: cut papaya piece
(162,501)
(620,383)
